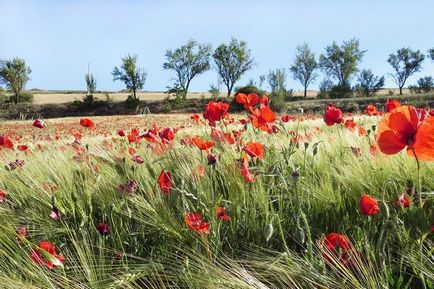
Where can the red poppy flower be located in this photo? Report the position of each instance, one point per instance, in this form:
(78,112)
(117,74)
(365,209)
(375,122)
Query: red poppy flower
(6,142)
(103,229)
(332,115)
(215,111)
(392,104)
(371,110)
(245,170)
(45,254)
(195,117)
(22,148)
(87,123)
(2,196)
(167,135)
(369,205)
(254,149)
(121,132)
(263,117)
(133,136)
(165,182)
(403,201)
(287,118)
(201,144)
(404,127)
(221,214)
(338,247)
(362,131)
(248,100)
(38,123)
(195,222)
(350,124)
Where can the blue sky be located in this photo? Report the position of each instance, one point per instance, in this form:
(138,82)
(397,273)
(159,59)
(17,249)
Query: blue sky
(59,38)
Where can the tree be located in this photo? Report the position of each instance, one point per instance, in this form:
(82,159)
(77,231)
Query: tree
(91,88)
(134,77)
(406,62)
(188,61)
(340,62)
(304,66)
(431,53)
(277,80)
(232,61)
(369,84)
(14,74)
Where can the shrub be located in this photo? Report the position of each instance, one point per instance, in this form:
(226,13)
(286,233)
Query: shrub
(425,84)
(132,102)
(341,91)
(24,97)
(214,90)
(324,88)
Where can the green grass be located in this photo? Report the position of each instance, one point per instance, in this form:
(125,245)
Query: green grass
(272,240)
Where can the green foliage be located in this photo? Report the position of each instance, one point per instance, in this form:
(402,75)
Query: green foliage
(405,62)
(304,67)
(188,61)
(130,74)
(341,91)
(14,74)
(424,85)
(232,61)
(325,87)
(431,53)
(132,102)
(274,239)
(368,84)
(214,90)
(89,98)
(340,62)
(23,97)
(277,80)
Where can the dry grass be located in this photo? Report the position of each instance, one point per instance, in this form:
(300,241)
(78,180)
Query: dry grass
(56,98)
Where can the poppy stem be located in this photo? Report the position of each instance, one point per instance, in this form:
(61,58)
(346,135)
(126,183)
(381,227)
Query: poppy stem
(418,178)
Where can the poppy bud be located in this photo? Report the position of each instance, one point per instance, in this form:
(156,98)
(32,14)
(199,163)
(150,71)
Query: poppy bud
(295,175)
(212,159)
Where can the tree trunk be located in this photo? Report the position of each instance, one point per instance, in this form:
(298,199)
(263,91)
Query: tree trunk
(305,92)
(229,90)
(400,90)
(134,93)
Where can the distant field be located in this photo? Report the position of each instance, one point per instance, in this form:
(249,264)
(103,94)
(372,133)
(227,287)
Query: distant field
(57,97)
(47,97)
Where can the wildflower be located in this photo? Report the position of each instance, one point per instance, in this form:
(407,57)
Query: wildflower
(6,142)
(103,229)
(247,100)
(403,201)
(371,110)
(45,254)
(215,111)
(38,123)
(212,159)
(201,144)
(221,214)
(332,115)
(129,187)
(287,118)
(87,123)
(350,124)
(55,214)
(2,196)
(254,150)
(195,222)
(165,182)
(392,104)
(407,127)
(369,205)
